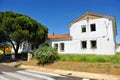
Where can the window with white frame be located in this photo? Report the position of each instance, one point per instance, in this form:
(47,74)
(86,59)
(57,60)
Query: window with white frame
(93,27)
(83,28)
(83,44)
(20,46)
(93,44)
(24,46)
(62,46)
(56,46)
(32,47)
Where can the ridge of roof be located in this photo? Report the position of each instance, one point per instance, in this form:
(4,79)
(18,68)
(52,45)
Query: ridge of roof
(91,13)
(100,15)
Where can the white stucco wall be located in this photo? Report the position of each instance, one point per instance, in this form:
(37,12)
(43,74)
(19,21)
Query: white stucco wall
(24,47)
(118,49)
(103,35)
(66,42)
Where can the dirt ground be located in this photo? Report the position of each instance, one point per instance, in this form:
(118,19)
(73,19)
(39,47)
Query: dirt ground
(102,68)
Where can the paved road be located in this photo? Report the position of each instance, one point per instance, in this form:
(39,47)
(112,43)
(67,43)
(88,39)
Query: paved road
(12,73)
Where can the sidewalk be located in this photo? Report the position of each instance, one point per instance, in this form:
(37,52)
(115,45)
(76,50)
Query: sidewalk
(70,73)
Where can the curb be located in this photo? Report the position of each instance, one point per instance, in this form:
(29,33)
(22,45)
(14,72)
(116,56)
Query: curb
(73,73)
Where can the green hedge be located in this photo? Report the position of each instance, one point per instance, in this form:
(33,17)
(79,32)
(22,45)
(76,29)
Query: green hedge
(90,58)
(6,54)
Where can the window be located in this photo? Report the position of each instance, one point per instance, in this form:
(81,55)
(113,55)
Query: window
(62,46)
(93,44)
(20,46)
(32,47)
(84,44)
(56,46)
(24,46)
(83,28)
(93,27)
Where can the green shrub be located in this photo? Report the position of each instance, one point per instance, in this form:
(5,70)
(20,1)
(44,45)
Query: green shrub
(46,55)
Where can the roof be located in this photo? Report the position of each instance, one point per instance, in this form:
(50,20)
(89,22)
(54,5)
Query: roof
(97,16)
(59,36)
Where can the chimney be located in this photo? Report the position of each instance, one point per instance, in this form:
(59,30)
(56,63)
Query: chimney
(53,33)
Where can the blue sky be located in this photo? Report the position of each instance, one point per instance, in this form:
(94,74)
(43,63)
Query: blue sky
(57,14)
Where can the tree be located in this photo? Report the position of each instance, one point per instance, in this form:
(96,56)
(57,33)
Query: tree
(3,44)
(18,28)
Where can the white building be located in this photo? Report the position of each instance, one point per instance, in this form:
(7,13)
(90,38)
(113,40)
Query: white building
(89,34)
(117,48)
(24,48)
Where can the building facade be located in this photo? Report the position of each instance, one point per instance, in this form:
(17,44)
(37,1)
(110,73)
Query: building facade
(89,34)
(24,48)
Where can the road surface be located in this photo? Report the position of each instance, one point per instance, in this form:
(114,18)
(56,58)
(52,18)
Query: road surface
(12,73)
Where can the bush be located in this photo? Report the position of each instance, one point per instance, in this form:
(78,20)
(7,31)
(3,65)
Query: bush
(46,55)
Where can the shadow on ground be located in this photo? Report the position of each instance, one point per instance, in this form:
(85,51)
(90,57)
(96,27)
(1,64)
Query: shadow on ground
(8,58)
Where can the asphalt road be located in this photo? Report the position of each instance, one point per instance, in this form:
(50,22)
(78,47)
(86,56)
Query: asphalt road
(13,73)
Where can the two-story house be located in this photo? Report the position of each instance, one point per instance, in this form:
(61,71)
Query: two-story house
(89,34)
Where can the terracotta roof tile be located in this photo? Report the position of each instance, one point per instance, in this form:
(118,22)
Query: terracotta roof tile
(59,36)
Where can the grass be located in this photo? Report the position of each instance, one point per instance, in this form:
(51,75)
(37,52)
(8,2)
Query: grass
(102,64)
(90,58)
(96,67)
